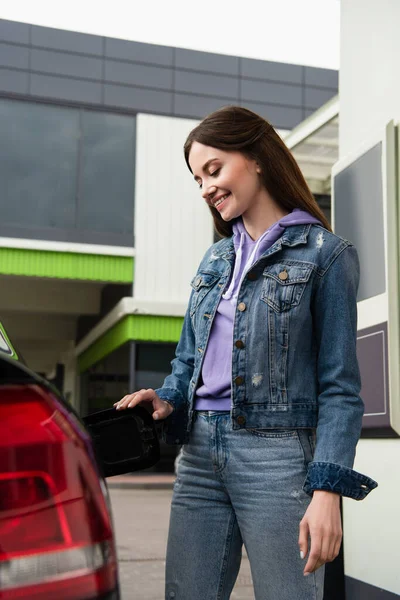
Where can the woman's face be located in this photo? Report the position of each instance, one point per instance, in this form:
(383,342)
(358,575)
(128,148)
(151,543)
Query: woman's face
(228,180)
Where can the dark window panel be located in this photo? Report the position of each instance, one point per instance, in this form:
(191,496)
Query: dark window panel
(315,97)
(59,63)
(38,159)
(136,74)
(138,99)
(186,105)
(205,61)
(209,85)
(62,88)
(14,56)
(271,93)
(136,51)
(155,357)
(322,77)
(72,41)
(281,117)
(10,31)
(16,82)
(107,175)
(261,69)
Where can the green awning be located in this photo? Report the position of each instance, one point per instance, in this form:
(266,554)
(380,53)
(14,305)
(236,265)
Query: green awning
(66,265)
(143,328)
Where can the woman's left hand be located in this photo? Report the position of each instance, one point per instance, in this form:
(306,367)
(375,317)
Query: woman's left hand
(322,524)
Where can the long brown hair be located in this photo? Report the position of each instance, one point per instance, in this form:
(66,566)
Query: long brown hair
(234,128)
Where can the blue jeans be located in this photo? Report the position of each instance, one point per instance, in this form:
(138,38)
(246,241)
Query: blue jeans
(236,487)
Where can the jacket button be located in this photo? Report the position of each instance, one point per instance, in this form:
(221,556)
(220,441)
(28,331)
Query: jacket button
(239,344)
(239,380)
(241,420)
(252,276)
(241,306)
(283,275)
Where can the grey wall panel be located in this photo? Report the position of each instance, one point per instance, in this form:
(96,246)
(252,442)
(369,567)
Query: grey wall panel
(60,63)
(207,84)
(271,93)
(66,235)
(59,39)
(136,74)
(136,51)
(206,61)
(10,31)
(372,353)
(316,97)
(62,88)
(186,105)
(355,187)
(321,77)
(200,81)
(138,99)
(279,116)
(261,69)
(16,82)
(14,56)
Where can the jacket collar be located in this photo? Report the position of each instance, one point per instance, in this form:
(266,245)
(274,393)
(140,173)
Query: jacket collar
(292,236)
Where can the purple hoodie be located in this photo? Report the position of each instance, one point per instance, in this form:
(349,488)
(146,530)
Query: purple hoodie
(214,391)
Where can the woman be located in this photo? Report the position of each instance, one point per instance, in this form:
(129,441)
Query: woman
(264,390)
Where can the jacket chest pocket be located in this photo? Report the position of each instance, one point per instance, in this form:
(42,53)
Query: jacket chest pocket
(284,285)
(202,284)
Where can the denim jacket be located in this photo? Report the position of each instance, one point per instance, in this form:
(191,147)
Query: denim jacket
(296,366)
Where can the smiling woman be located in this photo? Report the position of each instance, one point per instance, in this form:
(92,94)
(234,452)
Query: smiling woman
(264,389)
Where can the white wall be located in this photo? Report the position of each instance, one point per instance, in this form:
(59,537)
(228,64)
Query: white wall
(369,89)
(173,226)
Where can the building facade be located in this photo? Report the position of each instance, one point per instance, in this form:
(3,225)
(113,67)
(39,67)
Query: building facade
(101,225)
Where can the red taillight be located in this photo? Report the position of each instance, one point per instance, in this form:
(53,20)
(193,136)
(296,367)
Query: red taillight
(56,536)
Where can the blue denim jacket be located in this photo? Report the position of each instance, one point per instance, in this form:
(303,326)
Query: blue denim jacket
(297,366)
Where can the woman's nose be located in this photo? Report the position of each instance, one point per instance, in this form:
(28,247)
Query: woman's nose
(208,191)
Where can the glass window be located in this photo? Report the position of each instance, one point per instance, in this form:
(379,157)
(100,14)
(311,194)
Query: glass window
(107,176)
(66,172)
(38,164)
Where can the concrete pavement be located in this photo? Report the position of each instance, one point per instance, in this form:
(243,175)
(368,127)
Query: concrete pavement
(141,506)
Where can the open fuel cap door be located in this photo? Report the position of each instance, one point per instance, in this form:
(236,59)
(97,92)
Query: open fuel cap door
(124,440)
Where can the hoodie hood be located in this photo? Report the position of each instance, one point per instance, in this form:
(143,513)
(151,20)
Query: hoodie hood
(248,250)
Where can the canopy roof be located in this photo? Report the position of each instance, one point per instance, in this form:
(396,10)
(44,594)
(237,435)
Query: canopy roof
(315,145)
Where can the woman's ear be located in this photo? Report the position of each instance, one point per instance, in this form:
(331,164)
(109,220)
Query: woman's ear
(258,168)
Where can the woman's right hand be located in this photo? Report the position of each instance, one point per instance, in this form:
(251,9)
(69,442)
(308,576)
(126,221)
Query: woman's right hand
(161,409)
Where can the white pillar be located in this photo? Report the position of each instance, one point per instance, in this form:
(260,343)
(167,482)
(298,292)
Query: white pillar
(369,88)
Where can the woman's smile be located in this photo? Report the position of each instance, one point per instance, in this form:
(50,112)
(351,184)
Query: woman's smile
(221,201)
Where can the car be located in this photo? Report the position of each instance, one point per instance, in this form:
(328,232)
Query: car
(56,528)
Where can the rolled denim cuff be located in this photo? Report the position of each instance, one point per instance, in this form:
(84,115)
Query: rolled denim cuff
(169,395)
(338,479)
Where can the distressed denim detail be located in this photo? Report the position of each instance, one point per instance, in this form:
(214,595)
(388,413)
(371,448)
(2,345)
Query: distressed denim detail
(298,368)
(338,479)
